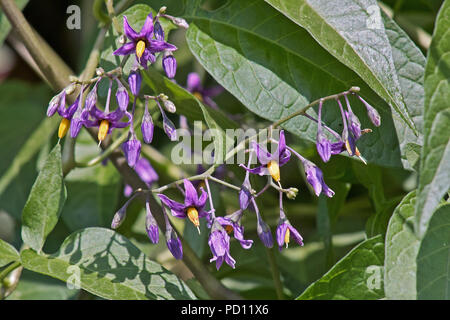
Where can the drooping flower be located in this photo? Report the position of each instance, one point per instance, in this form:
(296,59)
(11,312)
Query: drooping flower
(314,176)
(373,114)
(231,223)
(142,44)
(150,224)
(146,172)
(270,163)
(323,144)
(262,228)
(193,207)
(219,243)
(205,95)
(285,230)
(172,240)
(147,125)
(106,121)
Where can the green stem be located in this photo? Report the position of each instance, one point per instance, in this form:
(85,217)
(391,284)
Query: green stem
(8,270)
(275,273)
(97,10)
(226,184)
(112,15)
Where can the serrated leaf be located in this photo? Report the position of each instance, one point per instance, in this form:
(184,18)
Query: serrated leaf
(402,246)
(433,259)
(353,32)
(358,275)
(44,204)
(434,178)
(8,253)
(108,265)
(276,68)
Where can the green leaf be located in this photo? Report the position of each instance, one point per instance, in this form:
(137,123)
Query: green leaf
(276,68)
(433,259)
(44,204)
(34,286)
(352,32)
(8,253)
(402,246)
(356,276)
(109,266)
(434,178)
(5,26)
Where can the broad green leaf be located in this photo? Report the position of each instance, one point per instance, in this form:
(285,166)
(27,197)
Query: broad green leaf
(433,259)
(276,68)
(5,26)
(353,32)
(434,178)
(44,204)
(402,246)
(358,275)
(8,253)
(35,286)
(108,265)
(22,108)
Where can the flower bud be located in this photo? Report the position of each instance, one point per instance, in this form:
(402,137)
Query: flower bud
(150,225)
(292,193)
(373,114)
(132,150)
(264,233)
(323,146)
(99,71)
(180,22)
(58,100)
(169,64)
(159,31)
(135,81)
(122,39)
(169,106)
(119,217)
(169,128)
(122,96)
(147,125)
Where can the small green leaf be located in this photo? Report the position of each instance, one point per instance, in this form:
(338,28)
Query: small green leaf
(107,264)
(44,204)
(358,275)
(433,259)
(402,246)
(8,253)
(434,178)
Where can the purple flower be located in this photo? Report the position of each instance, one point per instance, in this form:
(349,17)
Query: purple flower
(193,207)
(314,176)
(323,144)
(146,172)
(107,121)
(142,44)
(150,224)
(270,163)
(169,64)
(58,104)
(219,242)
(231,224)
(205,95)
(285,230)
(132,150)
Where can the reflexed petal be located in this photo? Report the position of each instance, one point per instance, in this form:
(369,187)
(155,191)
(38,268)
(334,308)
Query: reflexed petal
(261,170)
(296,235)
(159,31)
(129,31)
(202,199)
(176,207)
(191,197)
(126,49)
(158,46)
(323,147)
(337,147)
(281,233)
(244,197)
(147,28)
(263,155)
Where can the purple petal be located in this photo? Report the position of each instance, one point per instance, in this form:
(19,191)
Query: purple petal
(263,156)
(122,97)
(126,49)
(134,81)
(202,199)
(175,247)
(261,170)
(170,66)
(281,233)
(147,127)
(159,31)
(147,28)
(191,197)
(132,151)
(213,91)
(193,82)
(244,197)
(127,190)
(323,146)
(145,171)
(129,31)
(295,235)
(176,208)
(158,46)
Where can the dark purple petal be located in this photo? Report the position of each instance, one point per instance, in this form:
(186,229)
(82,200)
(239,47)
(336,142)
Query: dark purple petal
(296,235)
(337,147)
(264,233)
(176,207)
(281,233)
(159,31)
(261,170)
(77,123)
(126,49)
(174,245)
(354,124)
(150,225)
(147,28)
(129,31)
(323,146)
(244,197)
(169,64)
(202,199)
(158,46)
(135,81)
(132,151)
(193,82)
(191,197)
(314,176)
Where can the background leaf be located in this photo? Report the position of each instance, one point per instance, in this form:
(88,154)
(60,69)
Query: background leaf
(275,68)
(353,275)
(5,26)
(433,259)
(402,246)
(8,253)
(44,204)
(110,266)
(434,179)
